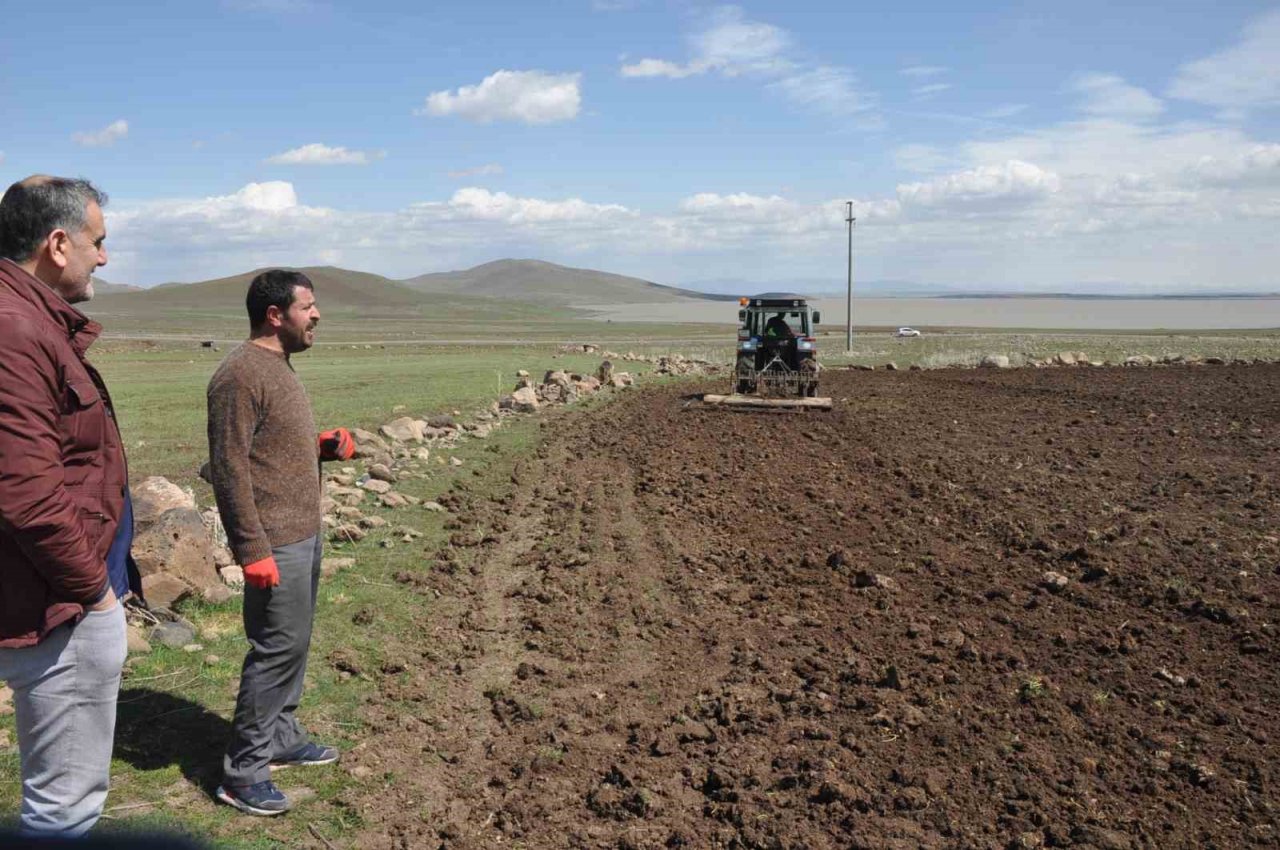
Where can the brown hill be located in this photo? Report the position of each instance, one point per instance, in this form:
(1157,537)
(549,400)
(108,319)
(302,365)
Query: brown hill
(340,289)
(540,282)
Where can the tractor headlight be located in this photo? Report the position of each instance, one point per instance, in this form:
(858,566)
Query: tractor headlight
(804,345)
(748,345)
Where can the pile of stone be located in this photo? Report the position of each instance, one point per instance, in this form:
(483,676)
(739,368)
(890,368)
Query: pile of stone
(559,387)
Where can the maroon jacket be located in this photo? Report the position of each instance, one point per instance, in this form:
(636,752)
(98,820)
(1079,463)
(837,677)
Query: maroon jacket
(62,468)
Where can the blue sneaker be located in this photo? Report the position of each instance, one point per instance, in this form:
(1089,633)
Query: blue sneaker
(308,755)
(260,798)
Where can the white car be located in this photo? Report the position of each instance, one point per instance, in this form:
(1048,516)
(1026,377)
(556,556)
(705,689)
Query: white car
(907,332)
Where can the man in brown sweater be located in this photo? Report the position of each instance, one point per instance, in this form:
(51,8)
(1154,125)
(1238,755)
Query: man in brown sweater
(264,463)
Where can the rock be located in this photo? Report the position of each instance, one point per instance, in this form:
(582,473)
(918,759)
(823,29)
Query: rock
(5,742)
(994,361)
(556,377)
(222,557)
(863,578)
(455,461)
(6,700)
(605,373)
(342,479)
(395,500)
(373,485)
(442,420)
(347,513)
(193,648)
(1065,358)
(347,533)
(1054,582)
(434,507)
(381,472)
(403,430)
(891,366)
(332,566)
(233,576)
(176,544)
(367,442)
(372,522)
(174,635)
(350,496)
(525,400)
(1140,360)
(164,590)
(136,643)
(212,660)
(156,495)
(216,594)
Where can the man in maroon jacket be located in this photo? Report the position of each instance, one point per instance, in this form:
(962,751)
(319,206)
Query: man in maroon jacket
(65,521)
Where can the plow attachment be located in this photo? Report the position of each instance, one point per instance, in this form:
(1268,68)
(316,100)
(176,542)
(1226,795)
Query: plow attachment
(763,403)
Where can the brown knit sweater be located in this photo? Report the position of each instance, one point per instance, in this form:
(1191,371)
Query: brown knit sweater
(262,452)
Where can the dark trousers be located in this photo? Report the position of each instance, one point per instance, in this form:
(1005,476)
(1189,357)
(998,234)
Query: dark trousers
(277,622)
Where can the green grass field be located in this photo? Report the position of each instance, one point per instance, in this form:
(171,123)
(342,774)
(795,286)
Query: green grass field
(175,705)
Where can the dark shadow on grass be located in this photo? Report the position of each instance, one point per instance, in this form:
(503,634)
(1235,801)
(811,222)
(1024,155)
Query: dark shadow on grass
(155,729)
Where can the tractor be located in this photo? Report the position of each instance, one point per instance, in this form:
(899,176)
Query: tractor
(777,362)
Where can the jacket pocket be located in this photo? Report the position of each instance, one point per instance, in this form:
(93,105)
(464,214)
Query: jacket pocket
(83,395)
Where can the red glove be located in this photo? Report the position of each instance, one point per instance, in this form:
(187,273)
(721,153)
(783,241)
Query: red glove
(336,444)
(262,574)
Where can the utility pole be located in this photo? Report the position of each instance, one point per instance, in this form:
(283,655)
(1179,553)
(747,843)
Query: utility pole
(848,316)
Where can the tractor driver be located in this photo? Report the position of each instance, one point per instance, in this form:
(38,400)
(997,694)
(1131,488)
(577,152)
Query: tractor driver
(777,328)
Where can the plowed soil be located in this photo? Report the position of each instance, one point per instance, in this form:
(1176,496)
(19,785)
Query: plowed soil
(964,609)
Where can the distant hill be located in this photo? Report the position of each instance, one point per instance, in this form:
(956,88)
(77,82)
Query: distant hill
(540,282)
(340,289)
(102,287)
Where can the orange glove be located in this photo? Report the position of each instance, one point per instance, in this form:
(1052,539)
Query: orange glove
(336,444)
(262,574)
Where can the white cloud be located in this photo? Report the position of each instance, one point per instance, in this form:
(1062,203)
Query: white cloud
(482,204)
(736,44)
(931,88)
(1014,182)
(827,89)
(731,44)
(923,71)
(1256,166)
(489,168)
(663,68)
(108,135)
(531,97)
(319,154)
(920,158)
(1107,95)
(1245,75)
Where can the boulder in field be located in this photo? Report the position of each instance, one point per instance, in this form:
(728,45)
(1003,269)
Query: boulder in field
(155,495)
(176,544)
(367,442)
(403,430)
(994,361)
(556,376)
(525,400)
(164,590)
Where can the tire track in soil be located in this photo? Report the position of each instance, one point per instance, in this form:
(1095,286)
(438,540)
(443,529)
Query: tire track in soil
(694,628)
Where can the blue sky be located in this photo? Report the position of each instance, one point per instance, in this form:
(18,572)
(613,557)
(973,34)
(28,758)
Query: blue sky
(1022,146)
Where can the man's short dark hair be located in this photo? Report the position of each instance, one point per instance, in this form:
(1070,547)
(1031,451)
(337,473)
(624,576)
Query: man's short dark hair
(31,209)
(273,288)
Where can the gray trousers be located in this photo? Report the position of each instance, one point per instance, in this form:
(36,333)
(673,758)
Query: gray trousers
(277,622)
(64,699)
